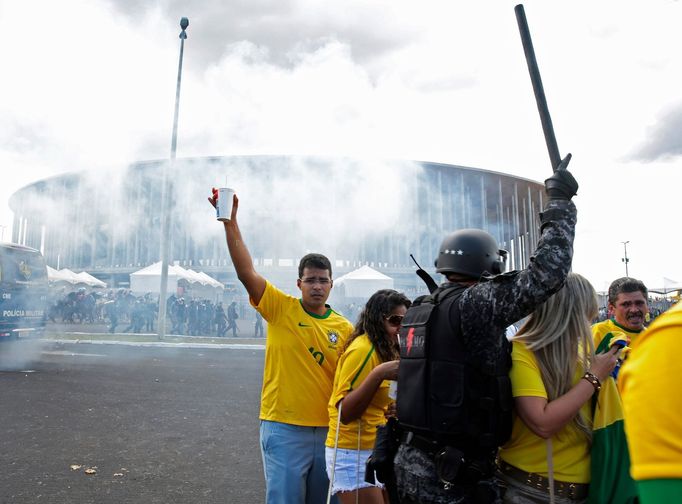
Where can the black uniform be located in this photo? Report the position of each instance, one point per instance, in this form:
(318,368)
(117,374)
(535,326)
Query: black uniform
(484,311)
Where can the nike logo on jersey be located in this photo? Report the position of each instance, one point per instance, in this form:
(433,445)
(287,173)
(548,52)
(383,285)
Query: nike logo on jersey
(301,324)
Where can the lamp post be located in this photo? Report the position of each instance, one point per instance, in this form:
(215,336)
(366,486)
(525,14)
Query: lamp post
(2,236)
(625,259)
(166,192)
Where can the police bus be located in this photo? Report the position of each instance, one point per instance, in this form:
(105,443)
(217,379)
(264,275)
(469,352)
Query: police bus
(23,292)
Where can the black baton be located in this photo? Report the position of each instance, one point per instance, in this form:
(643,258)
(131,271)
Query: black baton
(547,128)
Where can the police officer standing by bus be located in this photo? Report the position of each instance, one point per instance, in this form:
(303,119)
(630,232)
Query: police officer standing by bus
(454,394)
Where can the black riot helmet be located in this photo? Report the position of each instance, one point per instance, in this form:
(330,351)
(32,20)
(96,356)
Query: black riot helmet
(470,252)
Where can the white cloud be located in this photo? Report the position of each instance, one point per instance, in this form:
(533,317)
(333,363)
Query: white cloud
(90,84)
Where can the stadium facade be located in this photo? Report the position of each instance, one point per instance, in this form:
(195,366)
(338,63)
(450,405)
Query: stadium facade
(109,223)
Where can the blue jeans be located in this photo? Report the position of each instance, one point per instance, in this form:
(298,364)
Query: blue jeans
(294,463)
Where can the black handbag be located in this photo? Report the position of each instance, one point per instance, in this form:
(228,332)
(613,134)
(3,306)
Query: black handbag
(380,462)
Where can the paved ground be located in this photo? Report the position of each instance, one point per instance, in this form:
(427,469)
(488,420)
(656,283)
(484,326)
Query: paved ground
(158,425)
(245,328)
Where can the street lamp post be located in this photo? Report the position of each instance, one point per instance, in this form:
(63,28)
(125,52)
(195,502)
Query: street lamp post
(625,259)
(166,192)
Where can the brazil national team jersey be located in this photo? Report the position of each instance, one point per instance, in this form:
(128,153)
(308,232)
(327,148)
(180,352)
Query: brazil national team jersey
(607,327)
(354,366)
(301,350)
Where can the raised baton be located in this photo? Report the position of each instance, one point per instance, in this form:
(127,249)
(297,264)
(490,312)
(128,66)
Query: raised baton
(547,128)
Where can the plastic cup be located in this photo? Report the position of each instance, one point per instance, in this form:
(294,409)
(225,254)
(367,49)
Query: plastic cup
(223,205)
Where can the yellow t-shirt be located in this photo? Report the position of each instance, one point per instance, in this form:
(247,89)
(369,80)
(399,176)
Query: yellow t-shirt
(651,384)
(354,366)
(601,329)
(301,350)
(527,451)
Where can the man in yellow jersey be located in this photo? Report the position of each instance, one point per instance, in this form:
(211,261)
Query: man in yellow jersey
(651,384)
(303,338)
(628,304)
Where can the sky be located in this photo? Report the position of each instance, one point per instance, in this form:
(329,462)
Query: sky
(90,85)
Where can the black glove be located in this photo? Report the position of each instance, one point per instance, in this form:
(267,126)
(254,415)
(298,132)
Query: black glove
(561,185)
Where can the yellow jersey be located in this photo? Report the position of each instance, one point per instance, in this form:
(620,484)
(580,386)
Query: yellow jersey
(528,451)
(354,366)
(601,329)
(301,351)
(650,385)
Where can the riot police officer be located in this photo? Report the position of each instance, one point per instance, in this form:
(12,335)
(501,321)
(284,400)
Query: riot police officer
(454,394)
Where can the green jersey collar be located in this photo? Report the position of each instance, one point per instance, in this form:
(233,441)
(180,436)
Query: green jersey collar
(315,315)
(636,331)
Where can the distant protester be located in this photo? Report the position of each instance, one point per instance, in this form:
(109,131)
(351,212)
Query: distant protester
(554,375)
(361,396)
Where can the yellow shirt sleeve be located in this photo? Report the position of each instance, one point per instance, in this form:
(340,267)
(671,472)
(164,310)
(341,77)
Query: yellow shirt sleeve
(273,303)
(525,373)
(651,383)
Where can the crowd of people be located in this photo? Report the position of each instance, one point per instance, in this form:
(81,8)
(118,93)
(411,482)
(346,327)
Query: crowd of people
(121,311)
(478,415)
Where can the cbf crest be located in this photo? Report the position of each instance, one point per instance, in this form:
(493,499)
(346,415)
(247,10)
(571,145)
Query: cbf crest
(333,337)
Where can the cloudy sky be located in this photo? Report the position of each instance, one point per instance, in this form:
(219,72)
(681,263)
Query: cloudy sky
(90,85)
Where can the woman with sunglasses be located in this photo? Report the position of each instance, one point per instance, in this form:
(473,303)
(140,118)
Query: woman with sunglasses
(360,396)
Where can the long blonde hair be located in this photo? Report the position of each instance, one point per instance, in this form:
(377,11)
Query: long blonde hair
(558,333)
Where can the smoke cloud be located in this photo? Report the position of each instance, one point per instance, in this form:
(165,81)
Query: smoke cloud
(663,141)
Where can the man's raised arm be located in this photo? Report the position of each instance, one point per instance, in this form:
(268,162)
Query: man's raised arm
(241,258)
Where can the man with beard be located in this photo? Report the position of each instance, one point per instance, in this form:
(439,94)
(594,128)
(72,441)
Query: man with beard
(627,303)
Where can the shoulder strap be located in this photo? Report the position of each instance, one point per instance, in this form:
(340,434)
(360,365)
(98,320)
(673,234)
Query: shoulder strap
(444,292)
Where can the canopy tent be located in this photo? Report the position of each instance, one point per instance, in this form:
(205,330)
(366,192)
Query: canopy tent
(54,276)
(67,276)
(362,283)
(212,281)
(202,286)
(149,280)
(90,280)
(669,286)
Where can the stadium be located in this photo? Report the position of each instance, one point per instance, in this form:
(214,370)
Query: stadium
(357,212)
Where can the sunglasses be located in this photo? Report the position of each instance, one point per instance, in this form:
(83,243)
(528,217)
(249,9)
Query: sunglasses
(395,320)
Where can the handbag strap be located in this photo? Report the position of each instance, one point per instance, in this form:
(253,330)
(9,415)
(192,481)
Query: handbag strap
(336,448)
(550,469)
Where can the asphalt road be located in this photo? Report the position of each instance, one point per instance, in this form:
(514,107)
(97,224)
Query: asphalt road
(157,425)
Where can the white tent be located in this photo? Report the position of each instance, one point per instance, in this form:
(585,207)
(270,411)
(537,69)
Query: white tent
(90,280)
(149,279)
(54,276)
(212,281)
(67,275)
(669,286)
(362,283)
(196,277)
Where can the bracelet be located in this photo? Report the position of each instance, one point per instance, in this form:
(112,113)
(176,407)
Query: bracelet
(594,381)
